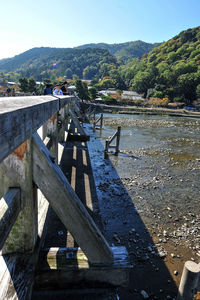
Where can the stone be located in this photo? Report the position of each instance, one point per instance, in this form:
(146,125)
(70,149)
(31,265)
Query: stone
(165,234)
(144,294)
(175,272)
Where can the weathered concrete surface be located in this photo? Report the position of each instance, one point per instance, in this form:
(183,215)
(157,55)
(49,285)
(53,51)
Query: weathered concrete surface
(69,267)
(16,171)
(10,206)
(20,117)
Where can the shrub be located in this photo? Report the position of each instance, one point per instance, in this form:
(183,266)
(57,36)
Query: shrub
(109,100)
(158,102)
(158,94)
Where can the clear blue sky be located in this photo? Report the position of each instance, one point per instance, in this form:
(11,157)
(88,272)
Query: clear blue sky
(25,24)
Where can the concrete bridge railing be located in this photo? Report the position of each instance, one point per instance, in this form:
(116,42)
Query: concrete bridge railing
(31,179)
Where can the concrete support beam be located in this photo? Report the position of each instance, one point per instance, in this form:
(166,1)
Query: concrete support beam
(61,125)
(68,267)
(52,133)
(51,181)
(16,171)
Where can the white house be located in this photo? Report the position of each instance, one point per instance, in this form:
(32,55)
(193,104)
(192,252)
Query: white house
(130,95)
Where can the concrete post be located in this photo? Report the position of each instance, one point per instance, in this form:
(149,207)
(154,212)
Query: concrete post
(101,121)
(52,132)
(189,281)
(61,125)
(106,149)
(117,140)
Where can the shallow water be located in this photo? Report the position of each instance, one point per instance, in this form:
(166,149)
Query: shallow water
(159,163)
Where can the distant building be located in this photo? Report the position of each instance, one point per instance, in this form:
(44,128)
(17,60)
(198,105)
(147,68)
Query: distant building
(38,83)
(98,99)
(107,92)
(130,95)
(11,83)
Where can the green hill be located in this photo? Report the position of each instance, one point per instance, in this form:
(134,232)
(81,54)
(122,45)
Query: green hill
(86,61)
(124,51)
(47,62)
(170,70)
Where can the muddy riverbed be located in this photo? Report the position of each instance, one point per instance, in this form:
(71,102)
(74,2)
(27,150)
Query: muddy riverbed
(159,164)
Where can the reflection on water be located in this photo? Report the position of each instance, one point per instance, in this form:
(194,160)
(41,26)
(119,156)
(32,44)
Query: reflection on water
(159,164)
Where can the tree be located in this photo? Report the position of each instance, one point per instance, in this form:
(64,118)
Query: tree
(183,68)
(106,83)
(158,94)
(198,91)
(187,85)
(85,89)
(105,69)
(95,80)
(119,82)
(172,56)
(32,85)
(89,72)
(142,82)
(82,89)
(93,93)
(23,84)
(68,73)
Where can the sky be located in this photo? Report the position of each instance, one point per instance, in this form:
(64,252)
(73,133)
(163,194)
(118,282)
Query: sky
(25,24)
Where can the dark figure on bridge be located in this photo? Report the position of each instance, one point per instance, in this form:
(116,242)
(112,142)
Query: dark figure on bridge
(64,88)
(48,89)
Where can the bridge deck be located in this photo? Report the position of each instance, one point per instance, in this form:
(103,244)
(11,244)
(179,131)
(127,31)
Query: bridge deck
(76,165)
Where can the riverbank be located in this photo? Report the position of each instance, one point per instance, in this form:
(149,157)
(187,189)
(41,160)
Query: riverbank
(141,110)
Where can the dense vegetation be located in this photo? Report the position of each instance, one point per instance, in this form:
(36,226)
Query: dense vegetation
(171,70)
(124,51)
(41,63)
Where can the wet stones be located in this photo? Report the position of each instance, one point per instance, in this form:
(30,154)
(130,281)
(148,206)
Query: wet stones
(144,294)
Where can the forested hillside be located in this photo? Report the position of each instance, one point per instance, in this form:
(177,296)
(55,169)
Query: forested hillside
(171,70)
(51,63)
(124,51)
(87,61)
